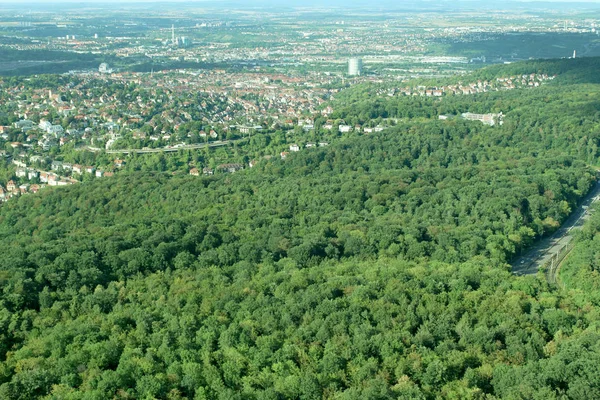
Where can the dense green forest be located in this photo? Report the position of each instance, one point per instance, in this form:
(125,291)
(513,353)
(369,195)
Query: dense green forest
(29,62)
(523,45)
(21,63)
(579,271)
(373,268)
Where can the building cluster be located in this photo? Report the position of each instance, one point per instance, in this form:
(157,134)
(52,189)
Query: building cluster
(12,189)
(33,180)
(509,83)
(487,119)
(295,148)
(105,69)
(262,39)
(77,169)
(153,107)
(250,96)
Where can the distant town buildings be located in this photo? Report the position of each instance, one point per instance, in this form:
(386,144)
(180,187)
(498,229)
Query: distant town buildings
(506,83)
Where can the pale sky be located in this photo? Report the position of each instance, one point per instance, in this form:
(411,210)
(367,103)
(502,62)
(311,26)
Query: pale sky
(282,2)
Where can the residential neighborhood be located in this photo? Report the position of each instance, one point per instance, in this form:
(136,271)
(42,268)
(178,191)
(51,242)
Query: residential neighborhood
(211,107)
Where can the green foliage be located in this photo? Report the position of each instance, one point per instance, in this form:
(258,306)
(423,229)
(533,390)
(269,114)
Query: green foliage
(579,273)
(373,268)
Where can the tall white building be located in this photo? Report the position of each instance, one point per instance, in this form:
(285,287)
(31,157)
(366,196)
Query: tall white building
(104,69)
(354,66)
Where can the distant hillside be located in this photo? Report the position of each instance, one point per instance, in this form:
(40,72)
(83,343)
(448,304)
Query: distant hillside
(578,70)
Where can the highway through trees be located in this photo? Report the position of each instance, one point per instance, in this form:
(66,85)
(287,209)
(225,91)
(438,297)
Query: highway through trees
(545,249)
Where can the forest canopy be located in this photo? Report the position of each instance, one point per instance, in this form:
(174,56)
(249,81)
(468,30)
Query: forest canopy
(374,268)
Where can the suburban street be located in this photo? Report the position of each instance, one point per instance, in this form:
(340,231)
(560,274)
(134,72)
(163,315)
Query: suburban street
(168,149)
(541,252)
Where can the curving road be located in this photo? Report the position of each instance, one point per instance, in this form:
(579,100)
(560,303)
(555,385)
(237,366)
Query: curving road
(543,250)
(170,149)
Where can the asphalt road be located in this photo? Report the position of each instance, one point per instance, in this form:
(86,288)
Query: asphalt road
(162,149)
(542,251)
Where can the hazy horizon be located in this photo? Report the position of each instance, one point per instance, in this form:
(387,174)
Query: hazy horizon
(251,3)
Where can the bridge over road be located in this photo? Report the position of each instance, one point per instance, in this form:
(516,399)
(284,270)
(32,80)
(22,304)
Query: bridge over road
(555,247)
